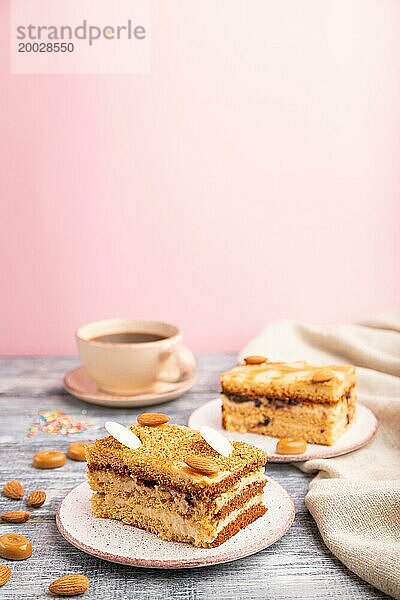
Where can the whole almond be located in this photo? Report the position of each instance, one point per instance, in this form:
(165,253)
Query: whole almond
(322,375)
(152,419)
(15,516)
(5,574)
(202,464)
(36,498)
(255,360)
(13,489)
(69,585)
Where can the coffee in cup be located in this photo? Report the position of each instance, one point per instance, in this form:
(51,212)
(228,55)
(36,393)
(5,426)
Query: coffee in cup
(126,356)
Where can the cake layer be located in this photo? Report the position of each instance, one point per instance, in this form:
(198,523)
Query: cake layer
(242,521)
(169,525)
(317,423)
(161,458)
(158,496)
(296,382)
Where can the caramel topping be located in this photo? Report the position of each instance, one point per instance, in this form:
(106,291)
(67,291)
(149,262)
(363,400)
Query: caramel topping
(255,360)
(77,451)
(257,372)
(152,419)
(291,446)
(49,459)
(15,546)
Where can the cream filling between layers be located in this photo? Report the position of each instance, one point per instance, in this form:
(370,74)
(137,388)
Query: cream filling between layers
(226,497)
(180,528)
(130,484)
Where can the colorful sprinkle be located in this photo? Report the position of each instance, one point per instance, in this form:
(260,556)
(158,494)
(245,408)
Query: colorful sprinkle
(58,423)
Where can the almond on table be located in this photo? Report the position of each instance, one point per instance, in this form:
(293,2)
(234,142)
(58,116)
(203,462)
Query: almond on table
(5,574)
(15,516)
(13,489)
(70,585)
(36,498)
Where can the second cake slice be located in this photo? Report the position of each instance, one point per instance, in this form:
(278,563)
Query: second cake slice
(289,399)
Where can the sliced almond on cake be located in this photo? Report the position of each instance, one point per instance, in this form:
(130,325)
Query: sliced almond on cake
(123,435)
(216,440)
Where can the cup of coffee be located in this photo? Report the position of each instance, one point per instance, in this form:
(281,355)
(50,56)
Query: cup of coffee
(126,356)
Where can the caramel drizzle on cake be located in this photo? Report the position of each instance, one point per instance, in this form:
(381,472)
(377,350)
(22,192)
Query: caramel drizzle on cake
(176,485)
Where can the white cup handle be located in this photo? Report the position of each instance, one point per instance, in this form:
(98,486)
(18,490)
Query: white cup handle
(176,365)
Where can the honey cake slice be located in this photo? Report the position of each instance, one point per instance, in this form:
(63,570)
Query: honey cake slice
(154,488)
(283,400)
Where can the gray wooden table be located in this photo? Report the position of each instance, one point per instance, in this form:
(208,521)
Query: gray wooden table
(298,566)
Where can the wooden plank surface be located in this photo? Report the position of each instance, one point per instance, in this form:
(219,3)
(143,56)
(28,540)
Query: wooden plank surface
(298,566)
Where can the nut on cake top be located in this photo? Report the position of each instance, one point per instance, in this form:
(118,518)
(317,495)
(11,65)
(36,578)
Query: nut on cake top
(163,454)
(296,380)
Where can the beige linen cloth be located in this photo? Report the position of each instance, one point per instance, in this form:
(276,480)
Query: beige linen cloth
(354,499)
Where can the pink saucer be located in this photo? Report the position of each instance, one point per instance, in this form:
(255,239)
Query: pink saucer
(78,383)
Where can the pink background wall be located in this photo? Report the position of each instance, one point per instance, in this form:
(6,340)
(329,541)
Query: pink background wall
(253,175)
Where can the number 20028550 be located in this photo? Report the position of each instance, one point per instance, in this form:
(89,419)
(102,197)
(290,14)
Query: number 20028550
(45,47)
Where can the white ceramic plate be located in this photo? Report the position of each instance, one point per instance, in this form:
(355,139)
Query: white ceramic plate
(357,435)
(125,544)
(79,383)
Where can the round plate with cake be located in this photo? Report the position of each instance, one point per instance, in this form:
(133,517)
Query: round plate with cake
(116,542)
(294,411)
(166,496)
(359,433)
